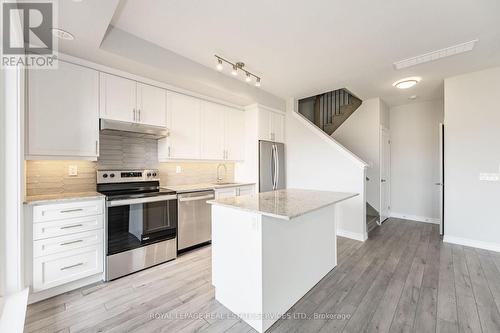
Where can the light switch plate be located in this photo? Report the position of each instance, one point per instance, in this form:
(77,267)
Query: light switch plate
(489,177)
(73,170)
(178,169)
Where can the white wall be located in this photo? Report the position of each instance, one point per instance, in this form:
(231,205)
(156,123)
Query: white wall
(415,159)
(360,134)
(316,161)
(472,138)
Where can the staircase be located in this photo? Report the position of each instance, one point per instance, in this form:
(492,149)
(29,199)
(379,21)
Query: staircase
(329,110)
(372,218)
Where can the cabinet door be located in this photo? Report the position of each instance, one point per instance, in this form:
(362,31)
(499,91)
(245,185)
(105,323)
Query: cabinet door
(212,131)
(184,123)
(63,112)
(277,127)
(151,105)
(118,98)
(264,125)
(246,190)
(226,192)
(234,134)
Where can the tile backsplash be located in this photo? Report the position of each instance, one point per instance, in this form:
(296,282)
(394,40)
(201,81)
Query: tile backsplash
(121,152)
(51,177)
(193,173)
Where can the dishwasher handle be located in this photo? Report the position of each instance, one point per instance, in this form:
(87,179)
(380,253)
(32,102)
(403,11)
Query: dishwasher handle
(210,196)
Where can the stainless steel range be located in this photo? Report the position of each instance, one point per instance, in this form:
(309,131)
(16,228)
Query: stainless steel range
(141,220)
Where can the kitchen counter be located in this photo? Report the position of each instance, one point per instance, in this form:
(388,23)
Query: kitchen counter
(47,198)
(284,204)
(202,186)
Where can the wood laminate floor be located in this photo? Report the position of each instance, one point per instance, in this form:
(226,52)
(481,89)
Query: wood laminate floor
(404,278)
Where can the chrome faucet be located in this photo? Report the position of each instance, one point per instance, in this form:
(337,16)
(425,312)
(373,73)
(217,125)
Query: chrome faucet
(219,177)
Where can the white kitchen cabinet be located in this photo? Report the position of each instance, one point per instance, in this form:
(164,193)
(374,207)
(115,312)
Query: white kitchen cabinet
(130,101)
(64,243)
(229,192)
(184,121)
(234,134)
(63,113)
(117,98)
(151,105)
(212,131)
(271,125)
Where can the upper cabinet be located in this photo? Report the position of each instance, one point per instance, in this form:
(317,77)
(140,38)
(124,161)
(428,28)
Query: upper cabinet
(63,113)
(130,101)
(271,125)
(183,121)
(202,130)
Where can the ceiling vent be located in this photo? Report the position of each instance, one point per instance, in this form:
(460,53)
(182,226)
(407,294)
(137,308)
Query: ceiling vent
(435,55)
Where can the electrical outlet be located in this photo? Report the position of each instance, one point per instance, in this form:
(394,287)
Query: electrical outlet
(178,169)
(489,177)
(73,170)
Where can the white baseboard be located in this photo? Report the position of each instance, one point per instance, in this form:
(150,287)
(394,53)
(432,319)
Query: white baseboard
(472,243)
(416,218)
(352,235)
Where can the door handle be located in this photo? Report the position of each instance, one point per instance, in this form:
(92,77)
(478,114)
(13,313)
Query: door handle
(439,184)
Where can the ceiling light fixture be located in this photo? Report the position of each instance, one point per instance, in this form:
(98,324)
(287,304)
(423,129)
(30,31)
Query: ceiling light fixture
(62,34)
(219,66)
(235,67)
(412,97)
(435,55)
(406,83)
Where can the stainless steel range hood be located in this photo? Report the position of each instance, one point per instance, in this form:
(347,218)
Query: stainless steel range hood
(132,129)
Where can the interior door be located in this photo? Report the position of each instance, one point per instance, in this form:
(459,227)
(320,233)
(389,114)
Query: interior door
(385,174)
(440,183)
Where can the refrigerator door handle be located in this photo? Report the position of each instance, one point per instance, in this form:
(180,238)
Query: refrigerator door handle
(273,166)
(275,158)
(277,167)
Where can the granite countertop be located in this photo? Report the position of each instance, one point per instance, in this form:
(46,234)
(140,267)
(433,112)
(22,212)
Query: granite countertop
(284,204)
(202,186)
(47,198)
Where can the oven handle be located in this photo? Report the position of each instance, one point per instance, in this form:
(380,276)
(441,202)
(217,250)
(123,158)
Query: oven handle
(210,196)
(115,203)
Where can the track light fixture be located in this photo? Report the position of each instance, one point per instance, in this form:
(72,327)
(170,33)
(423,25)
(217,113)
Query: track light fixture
(235,67)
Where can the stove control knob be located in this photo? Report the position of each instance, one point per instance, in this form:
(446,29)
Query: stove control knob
(149,174)
(105,175)
(112,175)
(154,174)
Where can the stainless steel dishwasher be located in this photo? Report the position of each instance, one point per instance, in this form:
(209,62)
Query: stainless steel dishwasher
(195,219)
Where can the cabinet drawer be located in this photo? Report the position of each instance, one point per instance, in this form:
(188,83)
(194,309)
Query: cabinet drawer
(66,227)
(57,269)
(53,245)
(67,210)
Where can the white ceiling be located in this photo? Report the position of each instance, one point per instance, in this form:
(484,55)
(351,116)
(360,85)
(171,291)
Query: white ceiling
(301,48)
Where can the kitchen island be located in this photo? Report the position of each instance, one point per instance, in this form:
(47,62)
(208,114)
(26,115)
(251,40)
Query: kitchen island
(270,249)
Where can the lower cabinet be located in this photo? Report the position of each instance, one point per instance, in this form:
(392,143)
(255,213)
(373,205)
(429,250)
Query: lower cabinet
(64,249)
(228,192)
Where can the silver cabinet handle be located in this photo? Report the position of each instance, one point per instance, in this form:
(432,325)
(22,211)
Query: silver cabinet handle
(96,147)
(135,114)
(72,266)
(73,242)
(439,184)
(139,113)
(72,226)
(383,180)
(168,151)
(72,210)
(210,196)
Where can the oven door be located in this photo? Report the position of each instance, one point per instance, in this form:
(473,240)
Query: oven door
(132,223)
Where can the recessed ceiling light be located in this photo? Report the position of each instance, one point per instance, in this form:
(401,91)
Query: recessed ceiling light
(406,83)
(62,34)
(412,97)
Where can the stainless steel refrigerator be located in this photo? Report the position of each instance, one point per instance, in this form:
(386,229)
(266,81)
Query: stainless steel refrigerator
(271,166)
